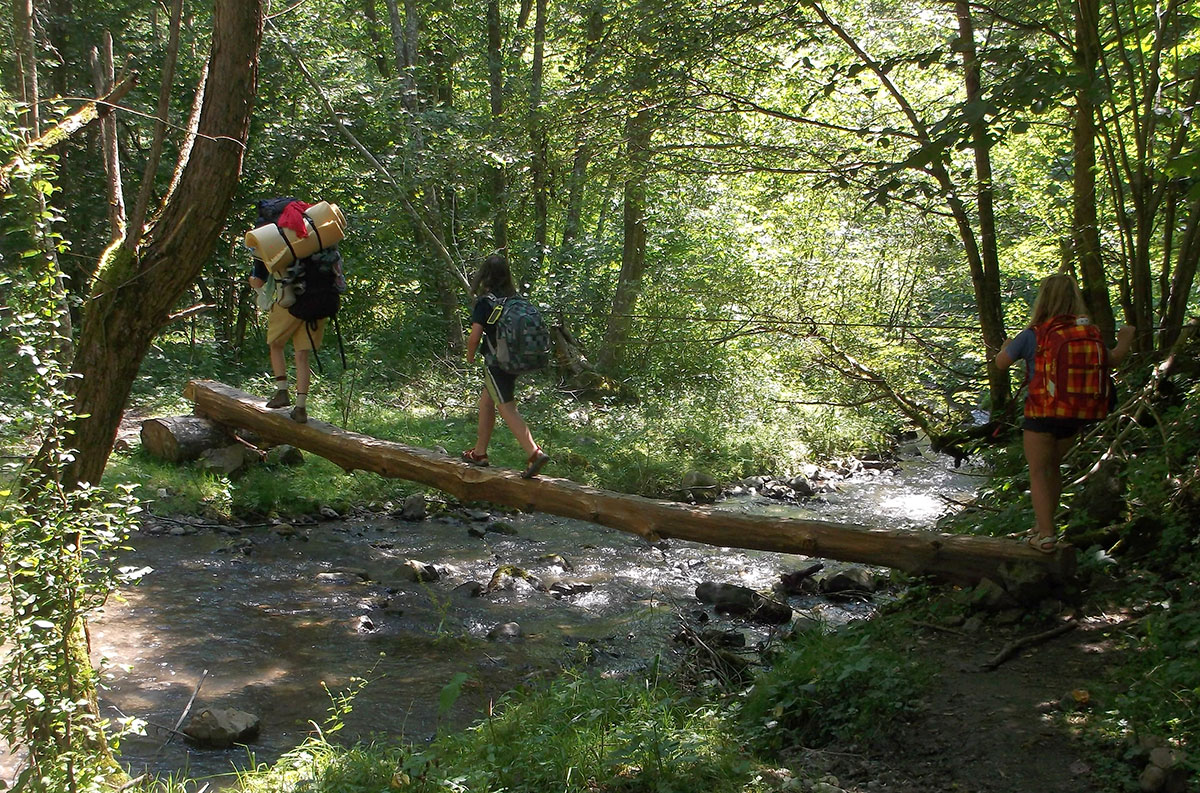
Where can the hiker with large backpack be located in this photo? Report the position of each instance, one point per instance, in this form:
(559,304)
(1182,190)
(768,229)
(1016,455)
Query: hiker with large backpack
(515,341)
(300,294)
(1068,372)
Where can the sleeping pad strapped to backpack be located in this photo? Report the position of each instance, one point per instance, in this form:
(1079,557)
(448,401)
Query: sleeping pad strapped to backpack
(318,279)
(1070,371)
(522,339)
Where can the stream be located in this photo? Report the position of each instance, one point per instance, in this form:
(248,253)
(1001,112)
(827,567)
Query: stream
(274,621)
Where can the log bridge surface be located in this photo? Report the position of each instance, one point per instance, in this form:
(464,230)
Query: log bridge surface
(958,558)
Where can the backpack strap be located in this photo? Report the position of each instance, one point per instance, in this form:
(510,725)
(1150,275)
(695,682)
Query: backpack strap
(315,230)
(287,242)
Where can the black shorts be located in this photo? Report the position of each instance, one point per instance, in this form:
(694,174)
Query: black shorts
(1059,428)
(500,384)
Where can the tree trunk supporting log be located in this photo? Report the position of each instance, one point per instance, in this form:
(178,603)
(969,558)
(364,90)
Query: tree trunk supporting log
(178,439)
(953,557)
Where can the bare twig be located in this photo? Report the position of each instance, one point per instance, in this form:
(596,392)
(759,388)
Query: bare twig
(1029,641)
(186,710)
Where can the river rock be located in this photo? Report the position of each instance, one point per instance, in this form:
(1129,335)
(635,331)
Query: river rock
(468,589)
(802,487)
(508,632)
(566,588)
(555,560)
(1152,779)
(700,486)
(743,601)
(991,596)
(285,454)
(228,460)
(1028,584)
(221,728)
(414,507)
(343,575)
(419,572)
(510,578)
(847,579)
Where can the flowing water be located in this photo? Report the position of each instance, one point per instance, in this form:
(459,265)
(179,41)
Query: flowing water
(271,624)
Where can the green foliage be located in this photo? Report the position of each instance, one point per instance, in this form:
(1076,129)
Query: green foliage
(1163,671)
(847,685)
(58,546)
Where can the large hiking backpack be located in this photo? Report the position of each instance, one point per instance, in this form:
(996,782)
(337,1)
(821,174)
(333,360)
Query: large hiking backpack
(1070,371)
(522,338)
(320,284)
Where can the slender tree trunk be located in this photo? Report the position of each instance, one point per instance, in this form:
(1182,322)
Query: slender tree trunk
(137,220)
(377,46)
(496,99)
(59,31)
(988,289)
(538,142)
(638,131)
(1183,279)
(1085,230)
(575,186)
(26,57)
(104,76)
(132,296)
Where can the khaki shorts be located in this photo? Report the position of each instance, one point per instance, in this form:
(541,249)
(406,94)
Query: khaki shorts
(281,326)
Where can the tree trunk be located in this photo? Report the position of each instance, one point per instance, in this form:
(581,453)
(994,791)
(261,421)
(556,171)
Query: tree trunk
(638,131)
(496,100)
(141,207)
(381,61)
(104,76)
(957,557)
(178,439)
(133,296)
(987,288)
(1085,230)
(26,57)
(1183,279)
(538,143)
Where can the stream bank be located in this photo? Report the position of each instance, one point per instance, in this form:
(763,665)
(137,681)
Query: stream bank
(279,615)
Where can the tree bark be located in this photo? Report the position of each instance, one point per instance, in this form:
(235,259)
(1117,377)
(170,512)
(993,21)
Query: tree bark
(956,557)
(987,289)
(1085,229)
(178,439)
(26,57)
(104,76)
(132,296)
(496,100)
(538,142)
(137,218)
(638,131)
(381,61)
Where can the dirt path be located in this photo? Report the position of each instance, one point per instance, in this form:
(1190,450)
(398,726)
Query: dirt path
(995,731)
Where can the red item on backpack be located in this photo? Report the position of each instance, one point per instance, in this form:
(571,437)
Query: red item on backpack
(293,218)
(1070,371)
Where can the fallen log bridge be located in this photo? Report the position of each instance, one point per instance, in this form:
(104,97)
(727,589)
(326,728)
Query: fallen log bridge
(957,558)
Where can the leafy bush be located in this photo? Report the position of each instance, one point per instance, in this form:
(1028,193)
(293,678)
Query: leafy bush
(825,687)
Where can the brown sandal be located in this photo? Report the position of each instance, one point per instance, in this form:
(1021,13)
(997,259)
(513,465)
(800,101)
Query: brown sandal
(478,460)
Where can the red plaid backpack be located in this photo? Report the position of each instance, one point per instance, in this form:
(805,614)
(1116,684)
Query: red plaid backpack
(1070,371)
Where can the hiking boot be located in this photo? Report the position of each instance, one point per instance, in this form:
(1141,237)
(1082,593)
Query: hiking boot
(537,461)
(280,400)
(300,415)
